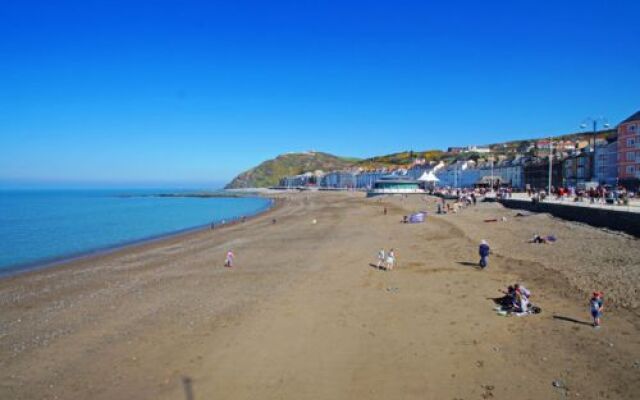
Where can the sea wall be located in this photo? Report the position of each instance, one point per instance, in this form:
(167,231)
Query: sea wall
(619,220)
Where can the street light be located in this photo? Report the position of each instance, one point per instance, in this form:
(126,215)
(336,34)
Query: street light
(594,121)
(550,165)
(492,183)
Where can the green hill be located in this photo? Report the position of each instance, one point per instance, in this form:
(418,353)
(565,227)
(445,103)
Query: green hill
(270,172)
(404,158)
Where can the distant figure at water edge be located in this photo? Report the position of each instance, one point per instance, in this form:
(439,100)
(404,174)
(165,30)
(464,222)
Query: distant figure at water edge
(228,262)
(484,251)
(381,259)
(596,304)
(385,211)
(391,260)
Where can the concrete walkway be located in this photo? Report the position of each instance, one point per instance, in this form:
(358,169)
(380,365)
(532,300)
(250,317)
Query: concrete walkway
(633,206)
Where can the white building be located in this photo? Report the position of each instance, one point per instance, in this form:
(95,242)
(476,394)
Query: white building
(339,180)
(460,174)
(477,149)
(306,179)
(367,179)
(509,172)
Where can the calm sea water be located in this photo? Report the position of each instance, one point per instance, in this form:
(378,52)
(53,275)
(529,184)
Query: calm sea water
(40,226)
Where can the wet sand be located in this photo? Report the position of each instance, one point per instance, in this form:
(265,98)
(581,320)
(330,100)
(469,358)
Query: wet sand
(304,315)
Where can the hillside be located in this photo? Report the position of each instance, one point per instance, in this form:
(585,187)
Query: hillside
(400,159)
(271,171)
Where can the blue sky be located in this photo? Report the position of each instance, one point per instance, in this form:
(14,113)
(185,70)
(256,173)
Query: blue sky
(191,93)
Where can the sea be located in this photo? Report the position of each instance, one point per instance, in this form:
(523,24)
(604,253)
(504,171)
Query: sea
(40,228)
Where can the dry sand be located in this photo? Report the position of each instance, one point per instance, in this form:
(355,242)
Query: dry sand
(303,315)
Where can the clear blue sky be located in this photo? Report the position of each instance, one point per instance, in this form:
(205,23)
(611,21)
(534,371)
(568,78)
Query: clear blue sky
(187,92)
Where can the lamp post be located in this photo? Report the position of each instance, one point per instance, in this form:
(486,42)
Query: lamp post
(550,165)
(594,122)
(455,176)
(492,182)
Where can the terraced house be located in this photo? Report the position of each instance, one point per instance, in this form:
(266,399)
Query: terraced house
(629,151)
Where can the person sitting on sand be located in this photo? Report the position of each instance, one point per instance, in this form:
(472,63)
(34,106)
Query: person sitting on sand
(596,305)
(228,262)
(538,239)
(521,302)
(391,260)
(542,239)
(381,259)
(525,292)
(507,301)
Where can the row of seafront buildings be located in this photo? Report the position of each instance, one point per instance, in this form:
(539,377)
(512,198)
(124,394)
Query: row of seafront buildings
(611,161)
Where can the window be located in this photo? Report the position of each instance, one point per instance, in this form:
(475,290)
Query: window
(631,156)
(630,169)
(631,142)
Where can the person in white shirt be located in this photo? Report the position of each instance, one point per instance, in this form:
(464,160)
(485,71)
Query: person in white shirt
(381,259)
(228,262)
(391,259)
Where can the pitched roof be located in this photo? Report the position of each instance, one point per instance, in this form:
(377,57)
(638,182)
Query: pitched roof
(634,117)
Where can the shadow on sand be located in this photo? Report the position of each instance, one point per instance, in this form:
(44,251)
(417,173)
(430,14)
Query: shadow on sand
(187,384)
(575,321)
(372,265)
(467,263)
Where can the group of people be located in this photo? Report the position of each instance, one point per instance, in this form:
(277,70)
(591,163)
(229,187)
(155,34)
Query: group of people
(600,194)
(542,239)
(516,300)
(386,260)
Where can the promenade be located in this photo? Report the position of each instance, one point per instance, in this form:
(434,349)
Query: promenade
(633,206)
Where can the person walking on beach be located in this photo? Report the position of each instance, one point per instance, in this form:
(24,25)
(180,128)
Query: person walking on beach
(596,304)
(391,259)
(484,251)
(381,259)
(228,262)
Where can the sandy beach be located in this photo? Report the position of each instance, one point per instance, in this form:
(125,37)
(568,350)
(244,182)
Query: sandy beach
(304,315)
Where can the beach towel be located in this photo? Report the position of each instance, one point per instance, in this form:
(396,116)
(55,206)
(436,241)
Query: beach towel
(417,218)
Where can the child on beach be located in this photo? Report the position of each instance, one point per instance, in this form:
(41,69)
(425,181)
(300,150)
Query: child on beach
(596,304)
(391,259)
(228,262)
(381,259)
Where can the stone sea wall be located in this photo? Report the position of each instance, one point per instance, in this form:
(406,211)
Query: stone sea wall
(619,220)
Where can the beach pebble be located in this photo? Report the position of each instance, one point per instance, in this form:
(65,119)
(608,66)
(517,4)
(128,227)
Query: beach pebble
(558,384)
(636,364)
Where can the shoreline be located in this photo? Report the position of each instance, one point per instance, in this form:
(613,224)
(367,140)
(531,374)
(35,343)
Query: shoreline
(62,261)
